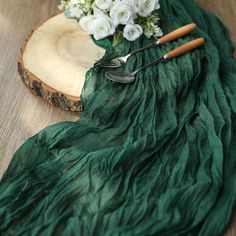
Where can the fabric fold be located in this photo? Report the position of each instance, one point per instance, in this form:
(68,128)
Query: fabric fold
(155,157)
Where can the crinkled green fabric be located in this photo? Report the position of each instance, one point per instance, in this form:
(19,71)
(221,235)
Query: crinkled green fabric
(155,157)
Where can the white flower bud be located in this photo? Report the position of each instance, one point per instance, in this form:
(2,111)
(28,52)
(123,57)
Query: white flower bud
(77,1)
(75,12)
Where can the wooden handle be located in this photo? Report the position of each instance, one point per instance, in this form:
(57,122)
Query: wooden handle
(186,48)
(178,33)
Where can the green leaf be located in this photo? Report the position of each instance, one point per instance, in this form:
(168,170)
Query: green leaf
(117,38)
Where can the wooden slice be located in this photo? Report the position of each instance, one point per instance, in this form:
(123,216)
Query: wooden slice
(54,59)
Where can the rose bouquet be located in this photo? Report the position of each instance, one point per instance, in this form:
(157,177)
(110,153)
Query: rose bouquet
(118,18)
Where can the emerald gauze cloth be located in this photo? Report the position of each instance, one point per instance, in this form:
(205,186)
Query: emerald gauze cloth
(154,157)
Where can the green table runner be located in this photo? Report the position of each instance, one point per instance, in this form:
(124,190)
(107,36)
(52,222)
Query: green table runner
(155,157)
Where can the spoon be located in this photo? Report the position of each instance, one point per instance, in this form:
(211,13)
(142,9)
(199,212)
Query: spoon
(128,77)
(119,61)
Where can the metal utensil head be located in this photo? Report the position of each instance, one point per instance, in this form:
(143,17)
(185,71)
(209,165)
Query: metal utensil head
(114,63)
(120,76)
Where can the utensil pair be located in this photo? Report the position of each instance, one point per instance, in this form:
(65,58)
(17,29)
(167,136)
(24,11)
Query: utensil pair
(124,77)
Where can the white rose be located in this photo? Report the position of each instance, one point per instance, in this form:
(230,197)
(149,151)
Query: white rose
(103,4)
(86,23)
(75,12)
(132,32)
(121,13)
(102,27)
(146,7)
(134,5)
(97,11)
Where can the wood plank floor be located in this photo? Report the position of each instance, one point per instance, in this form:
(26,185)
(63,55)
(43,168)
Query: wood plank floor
(22,114)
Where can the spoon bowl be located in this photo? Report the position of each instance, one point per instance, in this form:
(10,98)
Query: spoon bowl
(120,76)
(114,63)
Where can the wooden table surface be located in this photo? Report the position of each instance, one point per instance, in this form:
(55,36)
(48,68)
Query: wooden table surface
(23,114)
